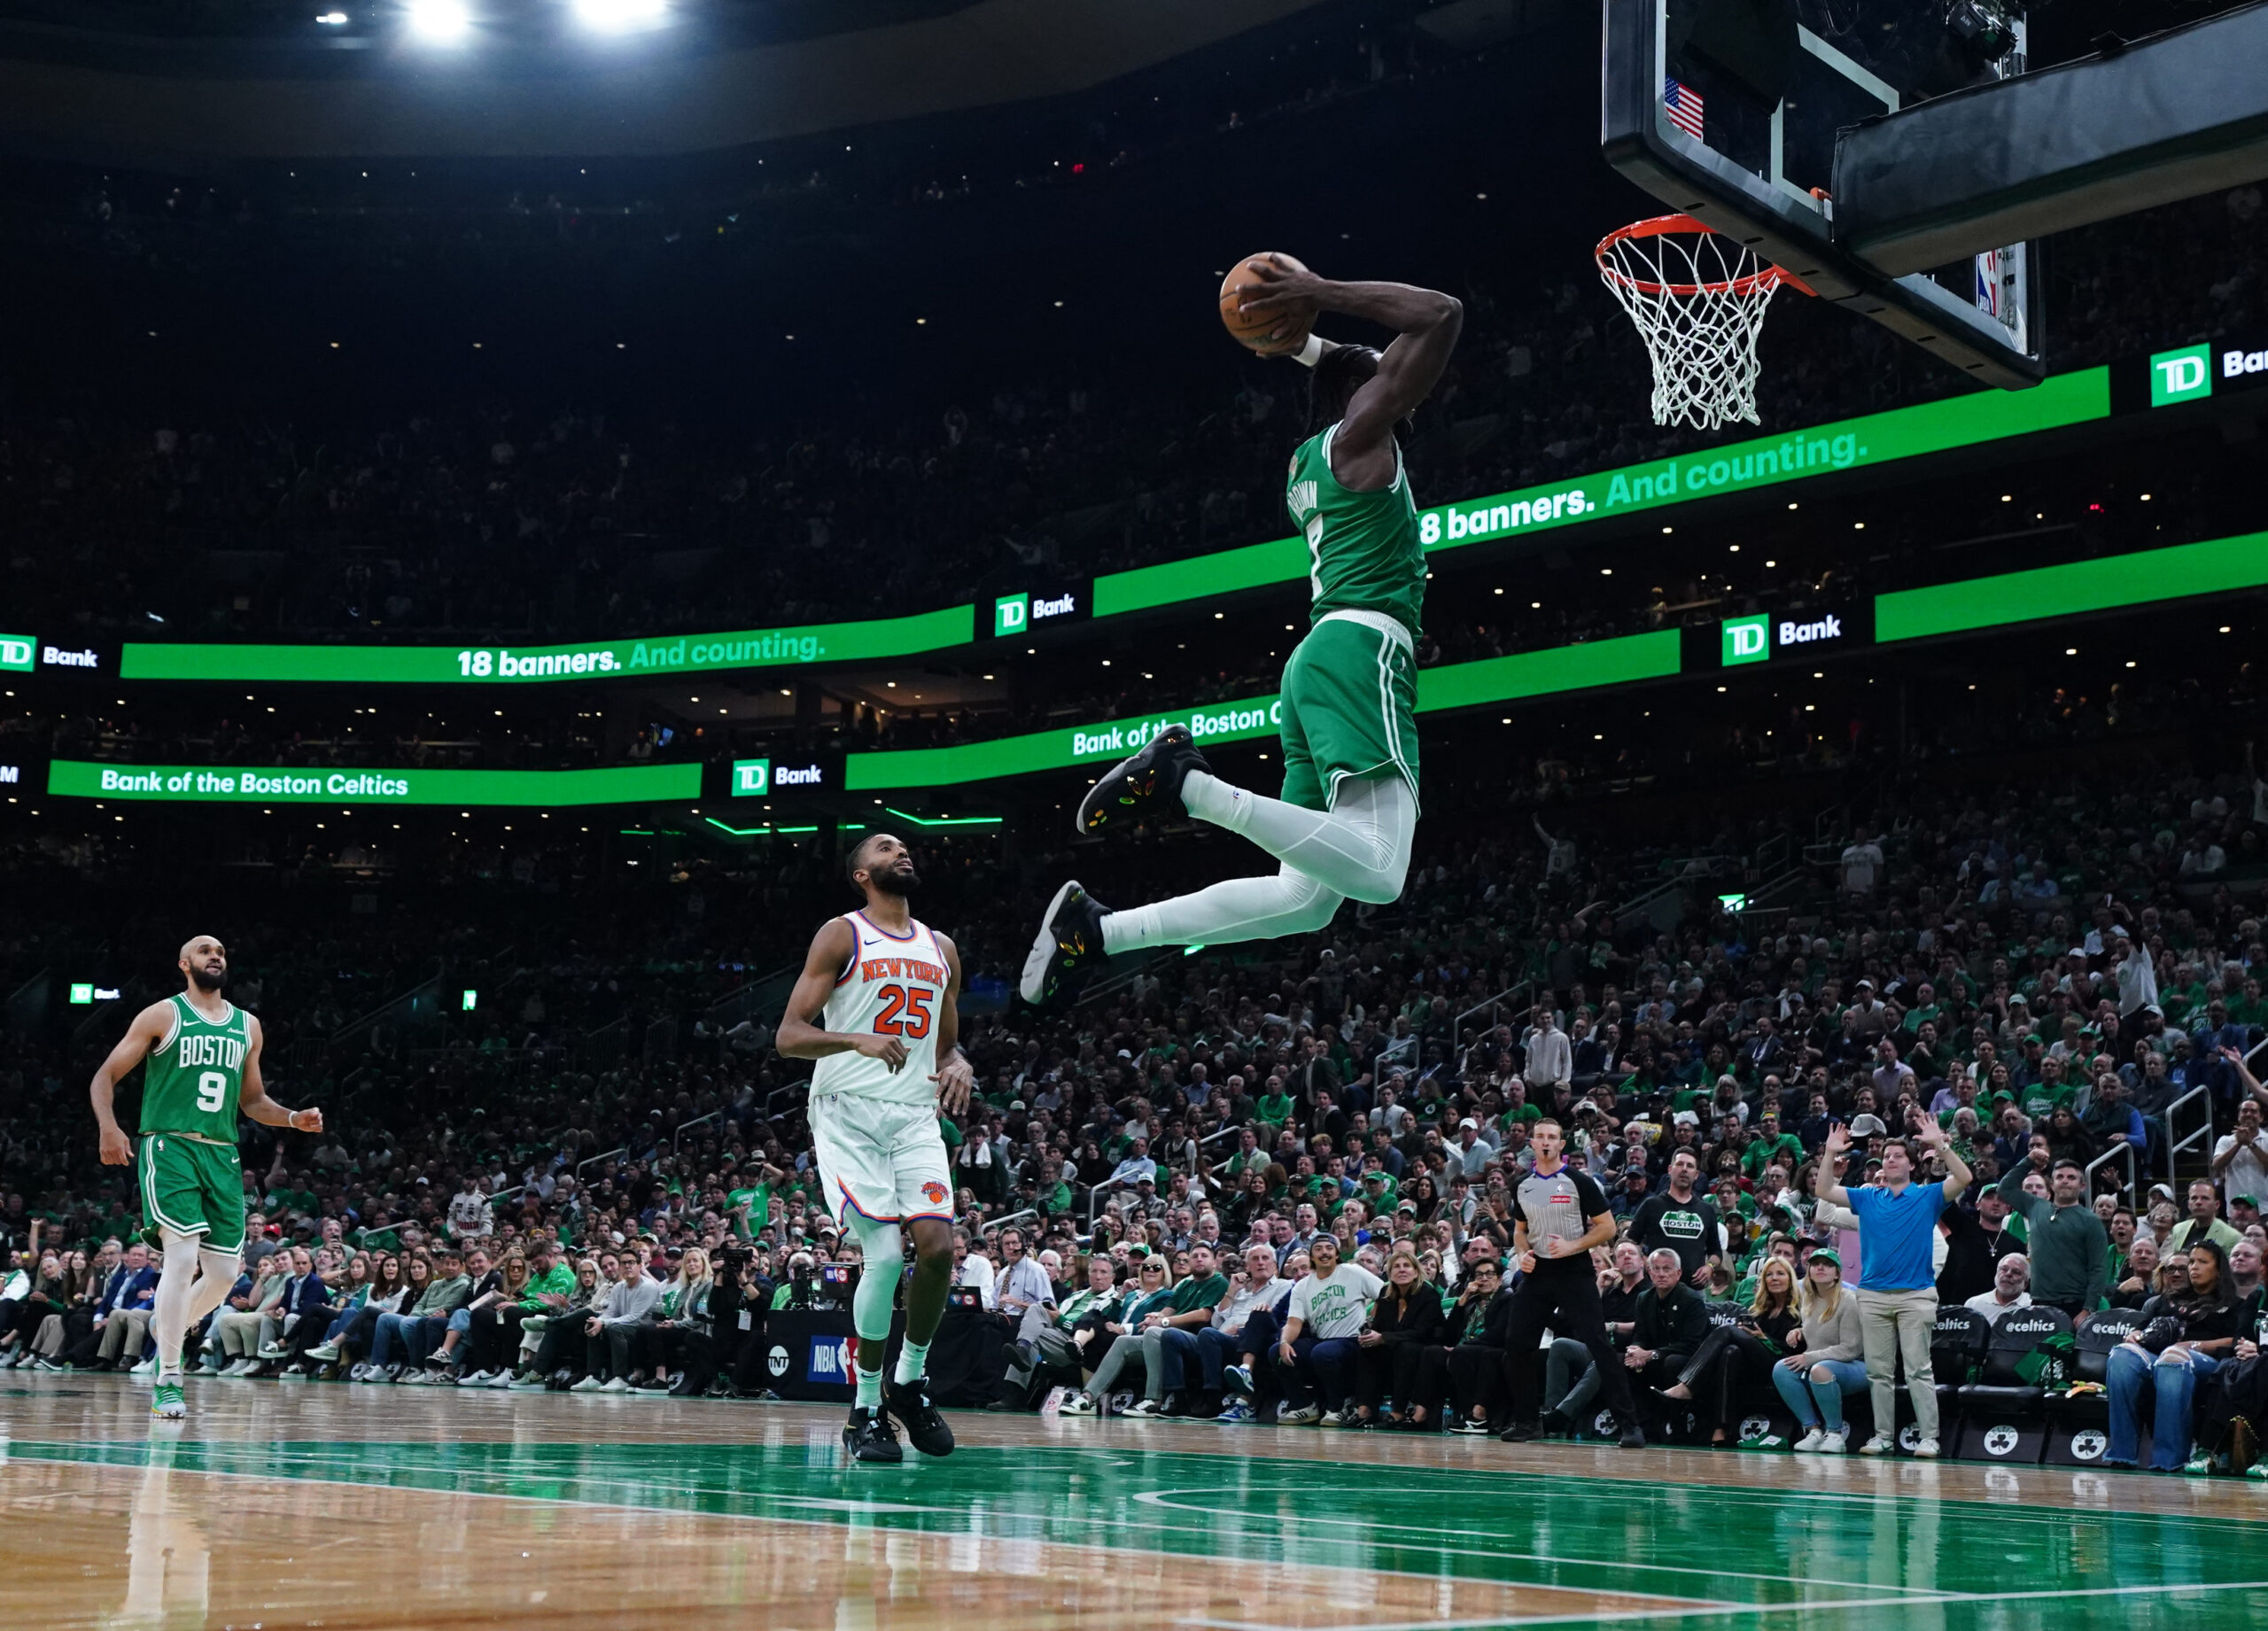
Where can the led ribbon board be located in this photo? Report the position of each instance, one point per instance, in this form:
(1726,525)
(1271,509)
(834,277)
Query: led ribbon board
(2111,584)
(621,659)
(1738,467)
(1871,440)
(236,784)
(1459,684)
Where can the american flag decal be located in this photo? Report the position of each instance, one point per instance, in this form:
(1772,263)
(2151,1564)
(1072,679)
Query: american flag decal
(1684,107)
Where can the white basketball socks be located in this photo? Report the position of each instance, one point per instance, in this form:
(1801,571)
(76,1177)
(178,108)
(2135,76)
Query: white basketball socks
(1359,848)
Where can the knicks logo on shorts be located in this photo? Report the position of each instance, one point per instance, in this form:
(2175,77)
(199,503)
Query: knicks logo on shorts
(934,1192)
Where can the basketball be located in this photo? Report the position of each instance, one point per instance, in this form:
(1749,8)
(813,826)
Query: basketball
(1269,333)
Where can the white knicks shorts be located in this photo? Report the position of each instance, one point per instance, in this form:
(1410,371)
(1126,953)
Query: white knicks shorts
(882,1160)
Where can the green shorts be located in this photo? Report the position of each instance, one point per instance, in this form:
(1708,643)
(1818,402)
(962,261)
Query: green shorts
(1350,701)
(192,1187)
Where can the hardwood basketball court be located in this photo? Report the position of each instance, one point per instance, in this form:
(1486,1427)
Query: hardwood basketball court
(302,1505)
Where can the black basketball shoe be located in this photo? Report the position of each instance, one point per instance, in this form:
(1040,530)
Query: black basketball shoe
(868,1436)
(1068,949)
(1146,785)
(909,1403)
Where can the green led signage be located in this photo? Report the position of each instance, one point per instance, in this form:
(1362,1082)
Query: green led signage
(1738,467)
(751,778)
(2184,375)
(1746,640)
(630,784)
(82,992)
(1011,614)
(1460,685)
(2111,584)
(17,651)
(627,659)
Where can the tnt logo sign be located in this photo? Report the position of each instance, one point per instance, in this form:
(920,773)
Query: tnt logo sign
(751,778)
(776,1362)
(829,1360)
(1746,640)
(17,650)
(2184,375)
(1011,615)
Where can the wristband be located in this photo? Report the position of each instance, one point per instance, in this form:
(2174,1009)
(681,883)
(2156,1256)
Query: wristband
(1310,353)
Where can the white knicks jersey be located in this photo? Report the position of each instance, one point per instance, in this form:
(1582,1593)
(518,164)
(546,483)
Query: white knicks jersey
(893,987)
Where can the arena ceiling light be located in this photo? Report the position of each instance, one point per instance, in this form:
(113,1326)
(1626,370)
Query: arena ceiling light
(439,22)
(619,16)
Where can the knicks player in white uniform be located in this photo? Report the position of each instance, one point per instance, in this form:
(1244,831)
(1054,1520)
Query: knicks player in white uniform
(875,1005)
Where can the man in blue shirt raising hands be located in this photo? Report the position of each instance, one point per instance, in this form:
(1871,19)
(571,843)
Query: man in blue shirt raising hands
(1898,1291)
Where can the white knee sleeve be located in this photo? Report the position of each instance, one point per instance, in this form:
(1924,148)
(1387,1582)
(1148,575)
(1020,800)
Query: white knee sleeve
(883,1250)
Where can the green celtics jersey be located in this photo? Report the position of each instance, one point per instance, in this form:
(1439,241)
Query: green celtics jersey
(1363,548)
(192,1078)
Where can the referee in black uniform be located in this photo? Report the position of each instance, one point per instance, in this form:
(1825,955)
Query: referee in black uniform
(1559,1215)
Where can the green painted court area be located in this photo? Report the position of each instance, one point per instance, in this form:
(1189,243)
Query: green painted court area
(1727,1549)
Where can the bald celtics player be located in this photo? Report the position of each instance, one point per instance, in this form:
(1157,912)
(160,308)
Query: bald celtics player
(201,1059)
(1348,807)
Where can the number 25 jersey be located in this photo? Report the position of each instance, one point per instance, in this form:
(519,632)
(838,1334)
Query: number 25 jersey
(894,986)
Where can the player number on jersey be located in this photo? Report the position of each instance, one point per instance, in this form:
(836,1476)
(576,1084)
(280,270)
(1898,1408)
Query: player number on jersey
(906,1011)
(212,1089)
(1314,554)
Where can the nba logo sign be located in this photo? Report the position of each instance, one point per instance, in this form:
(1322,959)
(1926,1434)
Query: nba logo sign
(751,778)
(17,650)
(829,1360)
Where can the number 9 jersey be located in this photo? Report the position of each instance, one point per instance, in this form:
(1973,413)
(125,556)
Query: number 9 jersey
(192,1079)
(893,986)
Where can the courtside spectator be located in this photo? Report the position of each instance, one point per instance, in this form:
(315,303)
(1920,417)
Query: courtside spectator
(1898,1296)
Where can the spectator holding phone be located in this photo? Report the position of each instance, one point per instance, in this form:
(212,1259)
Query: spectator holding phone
(1897,1292)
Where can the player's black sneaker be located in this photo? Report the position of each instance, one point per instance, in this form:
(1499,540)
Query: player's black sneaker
(868,1436)
(1068,949)
(909,1403)
(1147,784)
(1633,1436)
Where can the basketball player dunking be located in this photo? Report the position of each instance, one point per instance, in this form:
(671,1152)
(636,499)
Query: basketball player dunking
(203,1057)
(875,1005)
(1348,808)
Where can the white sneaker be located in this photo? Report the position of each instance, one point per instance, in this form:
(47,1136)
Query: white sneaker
(145,1370)
(1926,1450)
(1332,1418)
(1305,1416)
(1876,1446)
(478,1379)
(1144,1407)
(500,1378)
(274,1350)
(588,1385)
(1811,1440)
(615,1385)
(324,1353)
(1835,1443)
(209,1364)
(239,1367)
(1079,1404)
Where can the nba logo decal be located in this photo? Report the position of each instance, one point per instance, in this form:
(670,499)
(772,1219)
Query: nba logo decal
(934,1192)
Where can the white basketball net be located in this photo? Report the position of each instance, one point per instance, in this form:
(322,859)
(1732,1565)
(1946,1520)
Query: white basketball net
(1698,298)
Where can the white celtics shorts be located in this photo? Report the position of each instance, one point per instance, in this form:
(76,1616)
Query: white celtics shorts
(883,1161)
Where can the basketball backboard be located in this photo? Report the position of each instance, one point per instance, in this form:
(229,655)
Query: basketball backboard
(1729,111)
